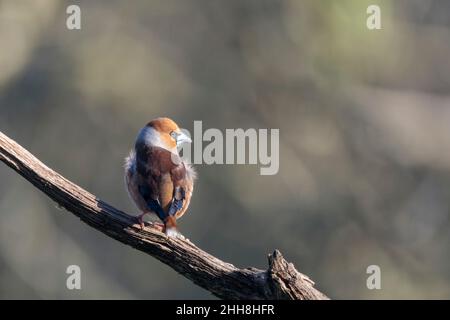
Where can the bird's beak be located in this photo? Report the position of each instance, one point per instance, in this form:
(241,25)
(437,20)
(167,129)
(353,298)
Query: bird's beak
(182,138)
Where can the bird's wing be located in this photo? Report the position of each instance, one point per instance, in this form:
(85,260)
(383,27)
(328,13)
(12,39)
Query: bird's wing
(131,182)
(148,177)
(176,184)
(184,186)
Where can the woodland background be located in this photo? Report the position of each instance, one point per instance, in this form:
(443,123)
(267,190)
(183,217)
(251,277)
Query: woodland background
(364,126)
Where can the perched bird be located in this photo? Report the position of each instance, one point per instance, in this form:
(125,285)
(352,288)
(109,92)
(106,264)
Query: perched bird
(157,179)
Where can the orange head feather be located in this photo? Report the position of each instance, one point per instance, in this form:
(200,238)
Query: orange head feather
(166,127)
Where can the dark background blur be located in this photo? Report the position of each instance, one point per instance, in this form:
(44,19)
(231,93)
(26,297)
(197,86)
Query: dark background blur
(364,129)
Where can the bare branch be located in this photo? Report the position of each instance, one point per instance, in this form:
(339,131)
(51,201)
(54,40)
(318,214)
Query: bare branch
(280,281)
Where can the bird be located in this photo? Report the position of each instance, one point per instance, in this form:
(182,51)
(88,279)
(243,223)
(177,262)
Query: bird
(158,180)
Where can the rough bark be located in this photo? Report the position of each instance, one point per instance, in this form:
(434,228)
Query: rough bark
(280,281)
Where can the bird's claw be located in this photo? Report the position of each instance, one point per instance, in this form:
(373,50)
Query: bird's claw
(156,225)
(141,220)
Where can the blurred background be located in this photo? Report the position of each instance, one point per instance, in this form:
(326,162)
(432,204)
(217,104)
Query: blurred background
(364,139)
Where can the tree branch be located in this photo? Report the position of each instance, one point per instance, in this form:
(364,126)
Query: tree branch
(280,281)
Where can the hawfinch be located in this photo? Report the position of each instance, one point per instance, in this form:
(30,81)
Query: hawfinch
(157,179)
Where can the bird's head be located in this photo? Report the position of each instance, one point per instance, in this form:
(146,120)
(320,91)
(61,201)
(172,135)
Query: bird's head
(164,133)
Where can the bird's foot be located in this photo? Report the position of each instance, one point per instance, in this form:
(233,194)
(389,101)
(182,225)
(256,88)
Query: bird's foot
(140,220)
(158,225)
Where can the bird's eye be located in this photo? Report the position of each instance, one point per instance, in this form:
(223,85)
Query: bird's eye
(174,135)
